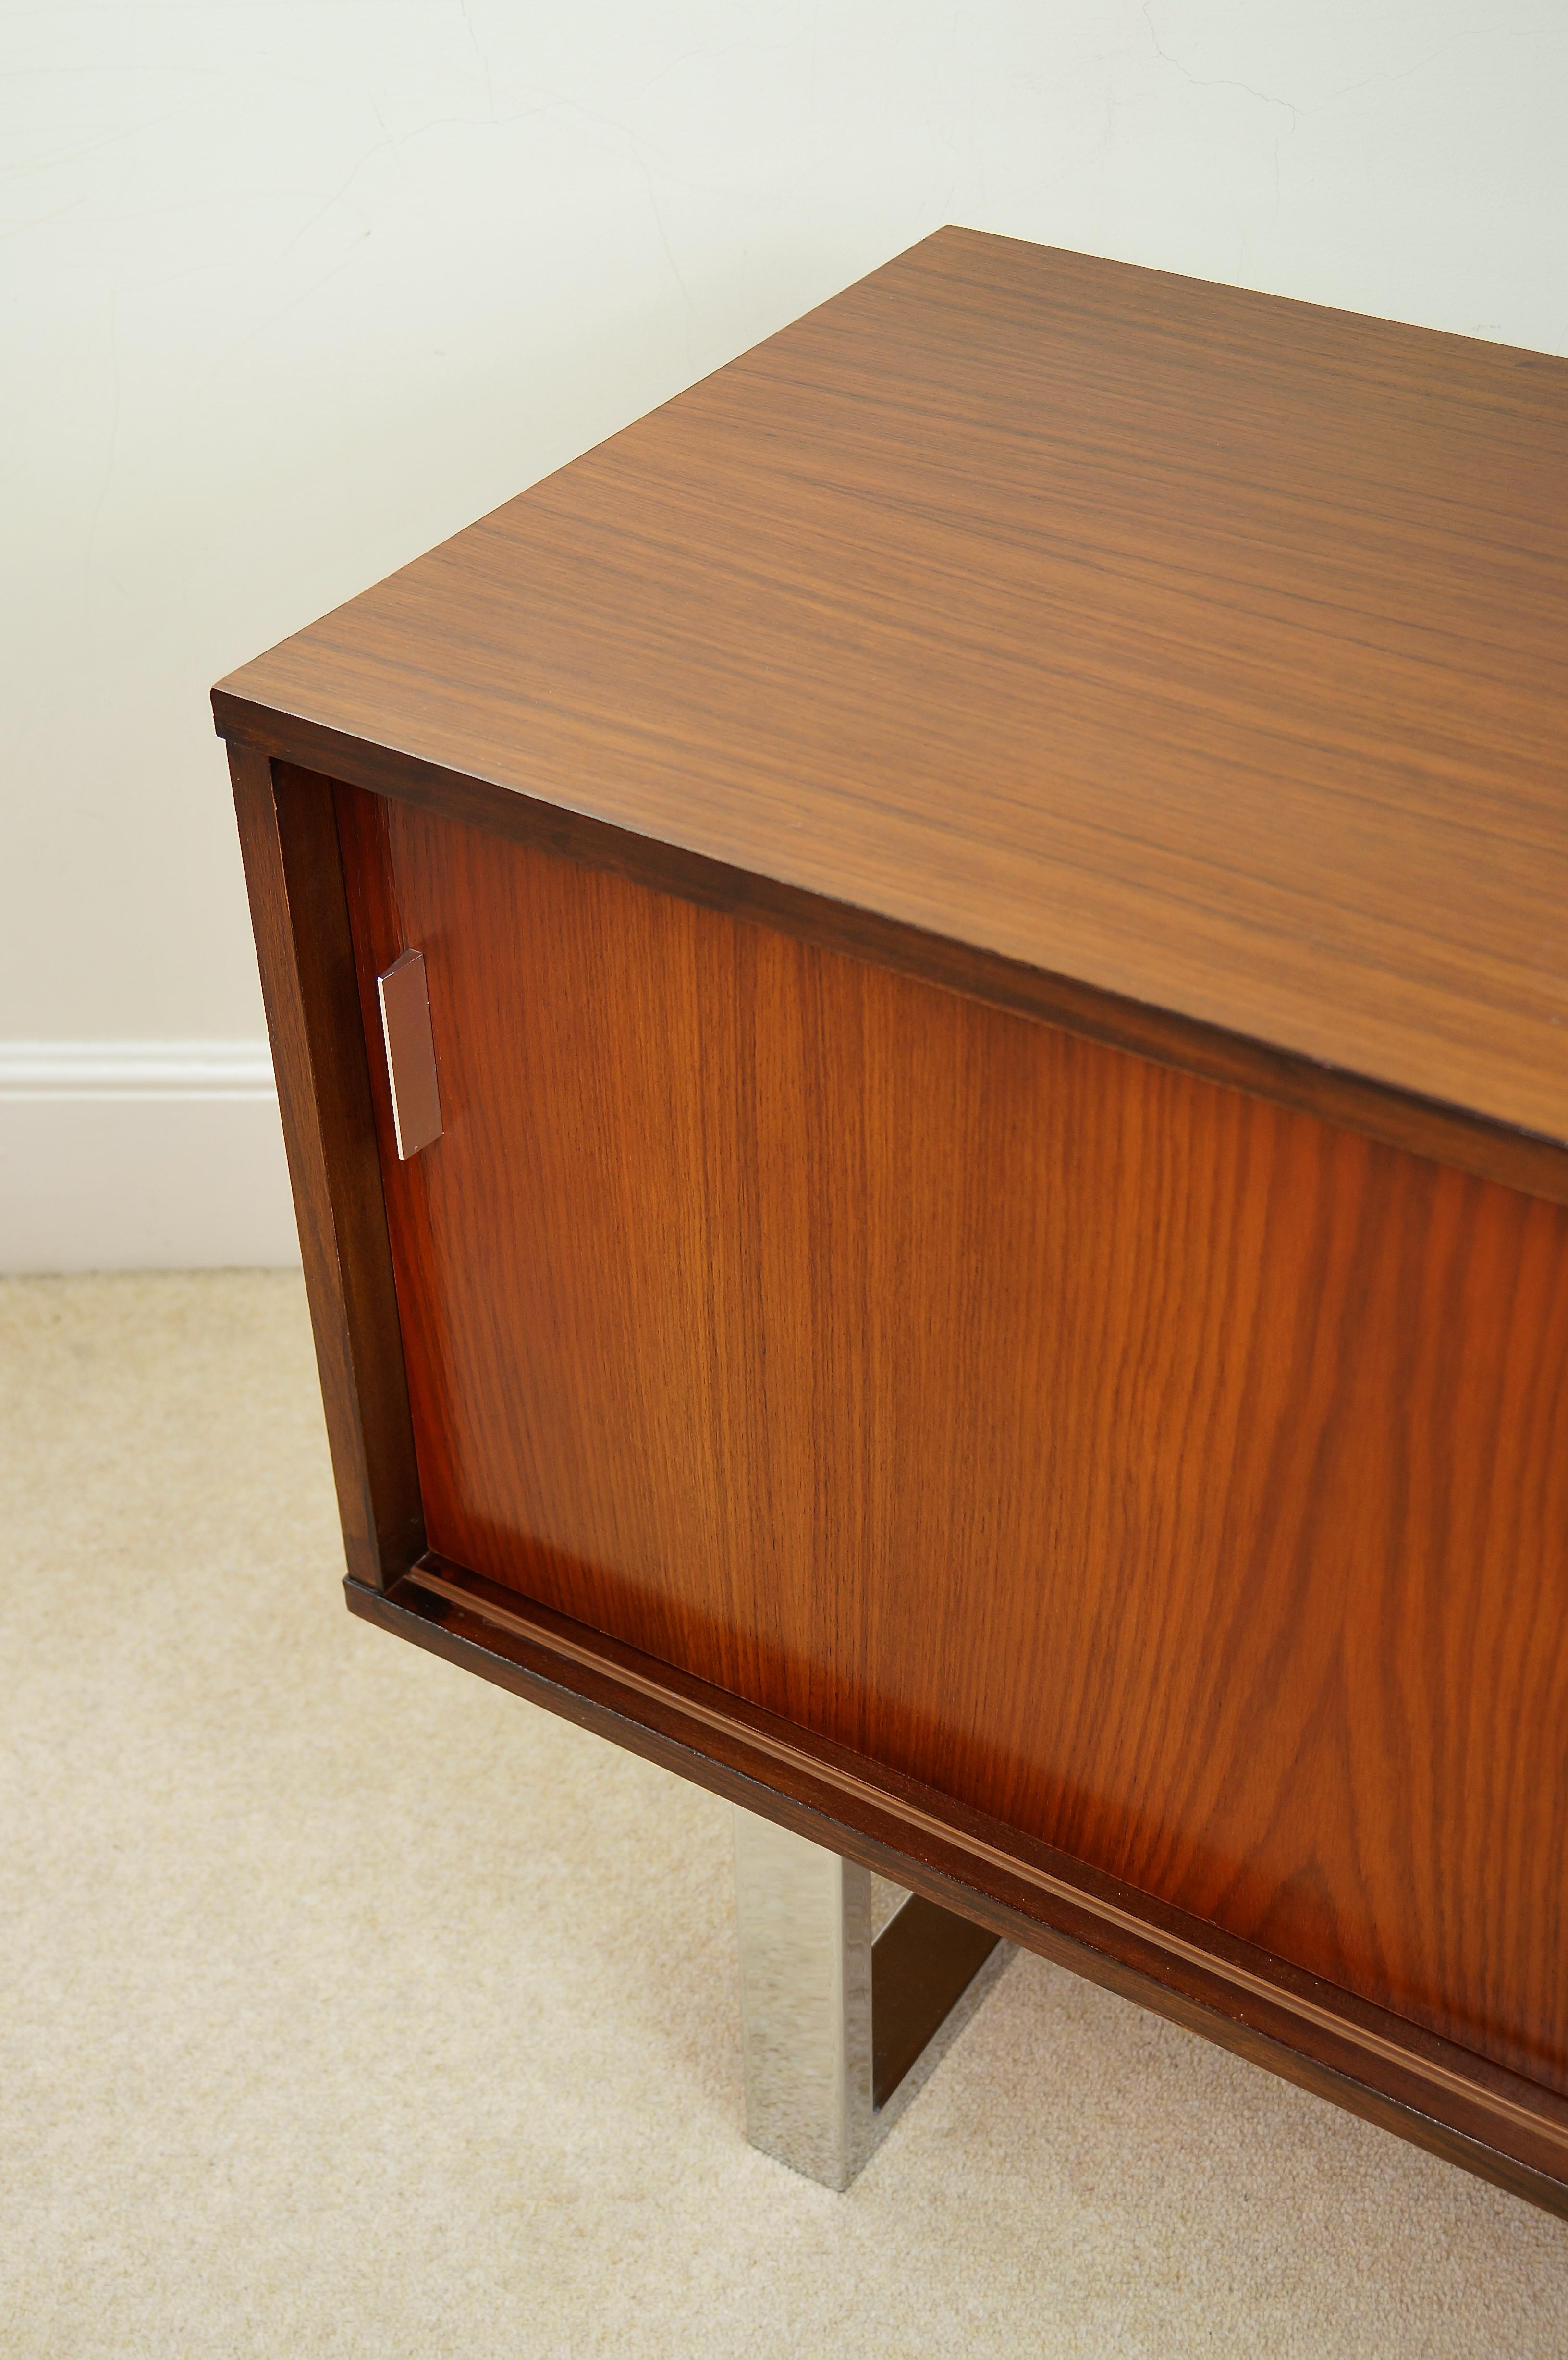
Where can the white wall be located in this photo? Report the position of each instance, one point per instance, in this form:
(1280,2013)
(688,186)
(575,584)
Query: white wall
(288,292)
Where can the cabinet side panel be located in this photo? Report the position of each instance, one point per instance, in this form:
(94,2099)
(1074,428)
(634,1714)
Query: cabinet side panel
(1179,1479)
(294,876)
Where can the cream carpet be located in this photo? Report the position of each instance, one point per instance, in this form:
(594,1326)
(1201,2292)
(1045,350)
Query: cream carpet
(352,2007)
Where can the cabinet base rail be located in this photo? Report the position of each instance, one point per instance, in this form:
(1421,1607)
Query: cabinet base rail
(1462,2106)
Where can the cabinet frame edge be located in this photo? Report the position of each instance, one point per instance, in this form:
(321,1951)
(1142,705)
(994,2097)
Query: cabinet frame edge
(293,865)
(1526,1160)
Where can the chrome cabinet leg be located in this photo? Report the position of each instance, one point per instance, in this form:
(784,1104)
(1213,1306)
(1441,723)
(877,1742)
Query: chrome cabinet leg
(851,1991)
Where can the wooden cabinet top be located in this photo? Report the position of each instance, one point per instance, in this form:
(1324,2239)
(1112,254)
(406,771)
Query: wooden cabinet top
(1186,664)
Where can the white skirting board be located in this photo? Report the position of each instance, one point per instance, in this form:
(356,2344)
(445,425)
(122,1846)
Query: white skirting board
(141,1155)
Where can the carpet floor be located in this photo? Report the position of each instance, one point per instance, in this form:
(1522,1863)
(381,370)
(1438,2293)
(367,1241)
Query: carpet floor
(353,2007)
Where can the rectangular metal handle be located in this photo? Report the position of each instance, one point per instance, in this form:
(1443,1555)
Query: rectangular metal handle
(410,1053)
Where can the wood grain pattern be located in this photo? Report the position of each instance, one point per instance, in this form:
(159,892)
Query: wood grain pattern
(294,877)
(1179,1481)
(1450,1134)
(1489,2122)
(1199,649)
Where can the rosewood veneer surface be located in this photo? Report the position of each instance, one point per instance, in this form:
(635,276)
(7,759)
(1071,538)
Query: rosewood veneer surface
(1148,1466)
(1199,647)
(992,885)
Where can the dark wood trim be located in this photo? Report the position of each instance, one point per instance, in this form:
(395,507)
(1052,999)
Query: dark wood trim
(299,908)
(1461,2106)
(1447,1134)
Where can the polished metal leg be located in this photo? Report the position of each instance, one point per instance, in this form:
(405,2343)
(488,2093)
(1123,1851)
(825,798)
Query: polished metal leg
(851,1991)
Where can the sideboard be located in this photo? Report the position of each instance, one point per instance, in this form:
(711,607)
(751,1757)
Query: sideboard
(921,1014)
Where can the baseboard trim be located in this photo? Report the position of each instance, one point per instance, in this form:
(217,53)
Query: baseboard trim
(141,1155)
(33,1071)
